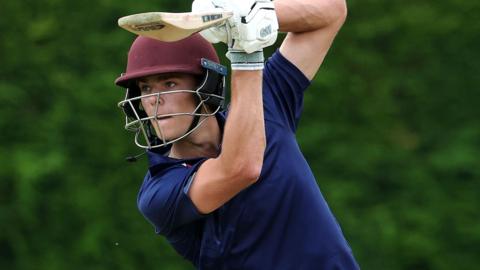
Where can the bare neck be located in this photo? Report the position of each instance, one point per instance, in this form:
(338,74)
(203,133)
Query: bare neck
(203,142)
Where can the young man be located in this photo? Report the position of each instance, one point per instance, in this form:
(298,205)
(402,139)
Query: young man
(235,192)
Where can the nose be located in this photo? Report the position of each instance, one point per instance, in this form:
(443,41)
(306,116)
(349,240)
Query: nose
(154,99)
(152,103)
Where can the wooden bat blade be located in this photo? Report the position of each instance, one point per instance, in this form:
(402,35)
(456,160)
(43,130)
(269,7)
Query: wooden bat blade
(170,27)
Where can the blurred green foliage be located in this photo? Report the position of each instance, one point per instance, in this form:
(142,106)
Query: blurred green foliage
(390,128)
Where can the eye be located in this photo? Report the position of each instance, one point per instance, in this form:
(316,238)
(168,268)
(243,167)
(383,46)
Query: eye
(170,84)
(145,89)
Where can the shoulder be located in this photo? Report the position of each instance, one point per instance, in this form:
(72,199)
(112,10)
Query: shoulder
(279,65)
(161,182)
(163,198)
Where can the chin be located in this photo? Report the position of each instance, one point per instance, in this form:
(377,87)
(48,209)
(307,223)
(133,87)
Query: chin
(170,134)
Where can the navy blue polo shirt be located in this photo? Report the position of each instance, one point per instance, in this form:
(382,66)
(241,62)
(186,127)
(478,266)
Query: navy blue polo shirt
(280,222)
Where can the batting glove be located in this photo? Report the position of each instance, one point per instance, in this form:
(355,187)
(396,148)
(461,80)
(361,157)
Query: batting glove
(253,27)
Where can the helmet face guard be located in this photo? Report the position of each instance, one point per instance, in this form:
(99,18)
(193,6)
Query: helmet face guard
(210,96)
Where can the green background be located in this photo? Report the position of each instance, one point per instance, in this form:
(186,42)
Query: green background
(390,127)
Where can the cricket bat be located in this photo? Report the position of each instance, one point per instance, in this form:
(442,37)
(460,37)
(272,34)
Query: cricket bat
(170,27)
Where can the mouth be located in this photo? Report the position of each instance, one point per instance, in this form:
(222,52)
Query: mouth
(163,117)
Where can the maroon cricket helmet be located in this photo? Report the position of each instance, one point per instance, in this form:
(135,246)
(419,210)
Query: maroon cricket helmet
(149,56)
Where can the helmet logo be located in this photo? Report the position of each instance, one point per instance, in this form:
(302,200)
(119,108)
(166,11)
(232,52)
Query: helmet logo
(148,26)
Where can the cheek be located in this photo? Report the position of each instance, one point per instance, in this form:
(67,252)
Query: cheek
(144,106)
(185,101)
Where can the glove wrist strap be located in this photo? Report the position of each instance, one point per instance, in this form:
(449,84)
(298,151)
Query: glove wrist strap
(241,60)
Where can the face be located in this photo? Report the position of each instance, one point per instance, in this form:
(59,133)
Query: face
(168,127)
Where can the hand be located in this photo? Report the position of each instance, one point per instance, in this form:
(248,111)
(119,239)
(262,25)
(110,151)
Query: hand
(253,26)
(258,28)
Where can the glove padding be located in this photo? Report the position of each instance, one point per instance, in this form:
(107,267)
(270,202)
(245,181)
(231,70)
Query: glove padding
(253,26)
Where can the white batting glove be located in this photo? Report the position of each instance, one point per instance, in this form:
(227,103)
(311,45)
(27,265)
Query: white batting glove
(253,26)
(259,28)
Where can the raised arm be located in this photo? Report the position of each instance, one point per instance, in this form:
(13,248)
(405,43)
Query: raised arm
(240,161)
(311,25)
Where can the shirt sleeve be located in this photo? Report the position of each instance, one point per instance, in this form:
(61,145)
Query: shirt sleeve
(283,88)
(163,199)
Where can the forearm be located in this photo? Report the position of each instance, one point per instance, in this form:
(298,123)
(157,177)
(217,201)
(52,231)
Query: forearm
(244,140)
(308,15)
